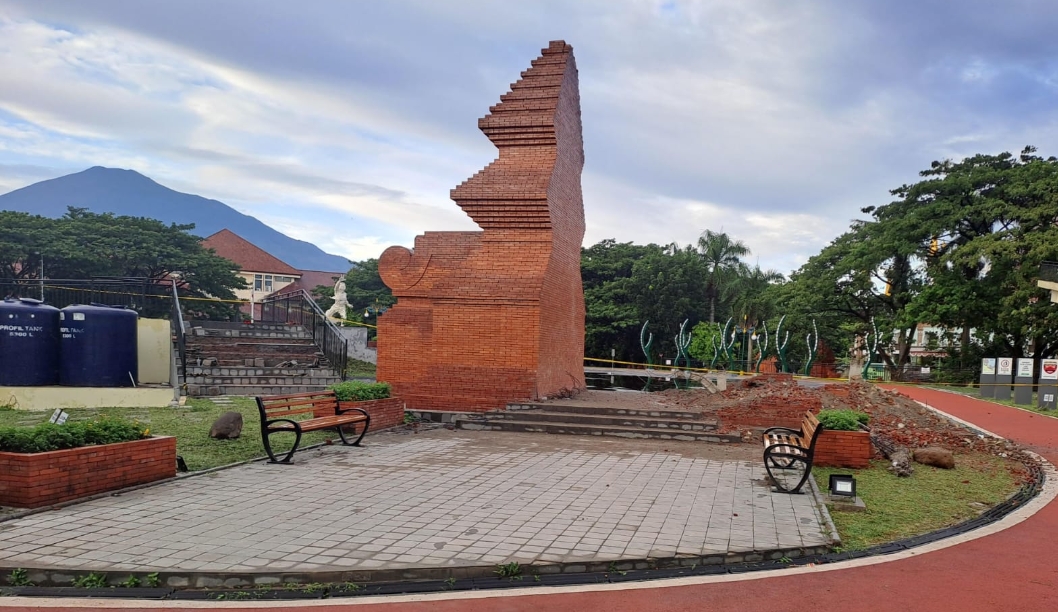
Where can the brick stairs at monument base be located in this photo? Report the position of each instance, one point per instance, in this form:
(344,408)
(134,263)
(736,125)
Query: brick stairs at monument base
(253,359)
(598,421)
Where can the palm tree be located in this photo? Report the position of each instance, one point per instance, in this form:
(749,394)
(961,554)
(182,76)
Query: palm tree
(752,303)
(722,258)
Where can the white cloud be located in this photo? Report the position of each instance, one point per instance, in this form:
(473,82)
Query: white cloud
(775,120)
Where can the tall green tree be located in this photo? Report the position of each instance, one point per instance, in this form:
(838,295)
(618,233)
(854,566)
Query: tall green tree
(668,290)
(722,260)
(366,291)
(84,245)
(612,320)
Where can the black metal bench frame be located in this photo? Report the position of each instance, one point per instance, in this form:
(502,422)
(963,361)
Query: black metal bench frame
(784,448)
(285,406)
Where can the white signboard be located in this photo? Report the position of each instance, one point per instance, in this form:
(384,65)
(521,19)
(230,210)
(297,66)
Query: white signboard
(1025,368)
(1005,366)
(988,367)
(1049,369)
(58,417)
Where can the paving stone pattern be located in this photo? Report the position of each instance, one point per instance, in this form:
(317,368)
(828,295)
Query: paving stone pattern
(435,499)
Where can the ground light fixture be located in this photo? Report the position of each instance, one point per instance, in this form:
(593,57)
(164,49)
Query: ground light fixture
(843,485)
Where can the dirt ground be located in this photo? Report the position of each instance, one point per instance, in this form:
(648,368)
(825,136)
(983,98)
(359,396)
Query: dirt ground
(893,415)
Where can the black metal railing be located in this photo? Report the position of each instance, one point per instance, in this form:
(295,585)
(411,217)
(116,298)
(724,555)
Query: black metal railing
(176,320)
(298,308)
(1049,271)
(150,298)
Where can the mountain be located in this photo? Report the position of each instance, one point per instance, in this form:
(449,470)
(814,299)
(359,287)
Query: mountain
(126,192)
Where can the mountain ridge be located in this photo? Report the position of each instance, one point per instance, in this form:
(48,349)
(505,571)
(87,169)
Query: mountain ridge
(129,193)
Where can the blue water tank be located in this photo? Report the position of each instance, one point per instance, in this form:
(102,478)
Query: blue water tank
(97,346)
(29,343)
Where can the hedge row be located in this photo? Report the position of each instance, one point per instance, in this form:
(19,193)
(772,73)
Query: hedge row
(357,391)
(50,437)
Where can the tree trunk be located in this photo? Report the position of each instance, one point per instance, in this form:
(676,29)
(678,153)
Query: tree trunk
(899,456)
(712,309)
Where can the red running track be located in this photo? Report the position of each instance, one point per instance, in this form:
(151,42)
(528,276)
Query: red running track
(1015,569)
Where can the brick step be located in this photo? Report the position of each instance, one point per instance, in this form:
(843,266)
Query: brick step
(245,344)
(241,370)
(264,380)
(228,325)
(270,361)
(302,353)
(485,424)
(542,416)
(606,410)
(247,333)
(250,339)
(214,390)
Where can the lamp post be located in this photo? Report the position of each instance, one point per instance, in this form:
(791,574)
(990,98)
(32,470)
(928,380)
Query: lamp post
(374,310)
(41,275)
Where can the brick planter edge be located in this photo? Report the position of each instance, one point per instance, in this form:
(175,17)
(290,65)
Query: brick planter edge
(33,480)
(847,449)
(385,413)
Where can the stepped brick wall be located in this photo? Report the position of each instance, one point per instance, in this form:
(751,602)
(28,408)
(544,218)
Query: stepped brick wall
(485,318)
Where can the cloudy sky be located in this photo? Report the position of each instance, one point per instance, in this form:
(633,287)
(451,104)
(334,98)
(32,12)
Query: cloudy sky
(346,123)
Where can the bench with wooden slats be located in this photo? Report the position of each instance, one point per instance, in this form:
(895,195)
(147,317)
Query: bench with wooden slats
(279,415)
(784,448)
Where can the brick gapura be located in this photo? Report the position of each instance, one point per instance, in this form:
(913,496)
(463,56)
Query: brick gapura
(484,318)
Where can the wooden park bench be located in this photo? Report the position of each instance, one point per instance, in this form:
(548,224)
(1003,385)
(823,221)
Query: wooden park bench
(277,412)
(788,451)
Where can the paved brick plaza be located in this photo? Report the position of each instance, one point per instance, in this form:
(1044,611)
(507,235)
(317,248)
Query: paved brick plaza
(438,498)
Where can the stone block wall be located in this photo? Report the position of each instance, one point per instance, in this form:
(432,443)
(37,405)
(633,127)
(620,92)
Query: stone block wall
(485,318)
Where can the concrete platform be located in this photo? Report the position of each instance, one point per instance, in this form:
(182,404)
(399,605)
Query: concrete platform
(47,398)
(438,500)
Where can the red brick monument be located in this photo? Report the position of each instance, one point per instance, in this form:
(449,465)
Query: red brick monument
(483,318)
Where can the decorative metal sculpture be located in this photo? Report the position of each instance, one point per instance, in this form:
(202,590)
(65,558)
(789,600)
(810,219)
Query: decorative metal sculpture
(781,348)
(716,352)
(726,343)
(645,345)
(683,342)
(812,340)
(872,348)
(762,346)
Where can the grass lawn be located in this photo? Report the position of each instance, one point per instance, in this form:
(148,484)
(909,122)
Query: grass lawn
(359,369)
(190,425)
(930,499)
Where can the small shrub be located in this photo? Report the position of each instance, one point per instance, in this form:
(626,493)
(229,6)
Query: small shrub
(50,437)
(19,577)
(91,581)
(358,391)
(131,582)
(153,580)
(512,570)
(843,420)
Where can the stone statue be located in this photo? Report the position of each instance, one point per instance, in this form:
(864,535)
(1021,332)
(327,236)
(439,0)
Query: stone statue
(341,301)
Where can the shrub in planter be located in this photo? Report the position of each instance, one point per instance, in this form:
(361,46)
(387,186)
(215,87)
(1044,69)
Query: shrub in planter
(49,464)
(50,437)
(357,391)
(842,420)
(843,443)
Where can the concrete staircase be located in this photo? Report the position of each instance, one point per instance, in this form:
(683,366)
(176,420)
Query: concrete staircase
(253,359)
(598,421)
